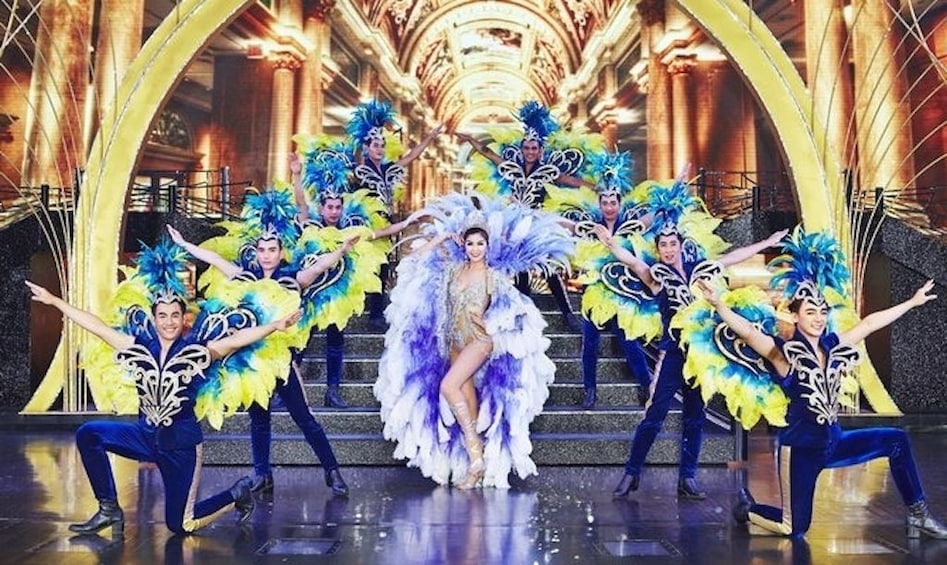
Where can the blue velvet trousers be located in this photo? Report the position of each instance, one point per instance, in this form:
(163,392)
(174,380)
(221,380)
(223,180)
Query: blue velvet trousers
(179,468)
(634,354)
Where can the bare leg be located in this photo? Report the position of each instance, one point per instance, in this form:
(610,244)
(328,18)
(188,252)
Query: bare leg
(457,387)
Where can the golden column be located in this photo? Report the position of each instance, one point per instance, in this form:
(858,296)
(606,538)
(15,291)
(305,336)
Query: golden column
(828,76)
(682,122)
(281,115)
(120,35)
(311,100)
(657,87)
(57,95)
(882,110)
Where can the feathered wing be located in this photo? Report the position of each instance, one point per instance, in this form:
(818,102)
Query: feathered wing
(249,374)
(718,361)
(128,313)
(338,293)
(612,289)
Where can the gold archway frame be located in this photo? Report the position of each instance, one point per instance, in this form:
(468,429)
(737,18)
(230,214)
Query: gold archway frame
(781,92)
(147,83)
(740,33)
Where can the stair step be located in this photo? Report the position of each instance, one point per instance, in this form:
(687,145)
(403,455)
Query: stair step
(561,393)
(548,449)
(556,419)
(366,369)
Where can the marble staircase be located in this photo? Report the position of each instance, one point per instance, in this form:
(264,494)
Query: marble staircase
(564,434)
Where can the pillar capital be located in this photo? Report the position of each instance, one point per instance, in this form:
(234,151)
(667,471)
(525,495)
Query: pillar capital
(286,61)
(681,65)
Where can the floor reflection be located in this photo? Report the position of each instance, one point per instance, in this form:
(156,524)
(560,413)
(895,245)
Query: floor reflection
(395,516)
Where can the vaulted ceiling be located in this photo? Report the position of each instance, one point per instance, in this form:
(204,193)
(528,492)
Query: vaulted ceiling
(477,61)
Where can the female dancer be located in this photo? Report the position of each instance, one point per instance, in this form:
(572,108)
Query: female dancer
(464,346)
(809,368)
(172,376)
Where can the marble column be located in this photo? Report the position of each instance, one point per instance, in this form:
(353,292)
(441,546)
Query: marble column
(658,105)
(882,110)
(311,100)
(682,122)
(57,95)
(828,76)
(281,116)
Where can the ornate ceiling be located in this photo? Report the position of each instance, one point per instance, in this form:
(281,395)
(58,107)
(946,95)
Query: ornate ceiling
(476,61)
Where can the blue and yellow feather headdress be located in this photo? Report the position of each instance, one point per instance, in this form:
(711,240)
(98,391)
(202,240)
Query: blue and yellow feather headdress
(537,122)
(370,120)
(811,265)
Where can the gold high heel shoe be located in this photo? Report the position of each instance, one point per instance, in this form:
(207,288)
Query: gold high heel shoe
(474,447)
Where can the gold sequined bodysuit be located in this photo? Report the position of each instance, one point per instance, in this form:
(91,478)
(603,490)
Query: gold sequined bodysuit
(466,304)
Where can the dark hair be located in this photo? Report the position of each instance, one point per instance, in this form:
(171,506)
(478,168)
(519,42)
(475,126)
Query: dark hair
(324,197)
(675,234)
(178,300)
(476,229)
(278,241)
(602,195)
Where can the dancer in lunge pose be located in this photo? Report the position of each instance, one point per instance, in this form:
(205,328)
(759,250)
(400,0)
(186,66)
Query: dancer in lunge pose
(811,370)
(178,377)
(464,370)
(268,229)
(669,280)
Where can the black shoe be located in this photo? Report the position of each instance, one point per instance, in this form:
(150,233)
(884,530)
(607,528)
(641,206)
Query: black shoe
(243,498)
(262,483)
(687,489)
(109,514)
(643,394)
(627,484)
(741,510)
(588,402)
(574,323)
(333,398)
(334,481)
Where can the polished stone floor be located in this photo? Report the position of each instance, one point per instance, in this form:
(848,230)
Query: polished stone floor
(394,516)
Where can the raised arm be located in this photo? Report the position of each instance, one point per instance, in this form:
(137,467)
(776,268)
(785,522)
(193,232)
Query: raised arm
(573,181)
(480,147)
(302,205)
(211,258)
(763,344)
(416,152)
(306,276)
(86,320)
(640,268)
(882,318)
(225,346)
(743,253)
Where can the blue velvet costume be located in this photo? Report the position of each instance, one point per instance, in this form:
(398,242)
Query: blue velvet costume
(814,440)
(674,295)
(167,433)
(291,393)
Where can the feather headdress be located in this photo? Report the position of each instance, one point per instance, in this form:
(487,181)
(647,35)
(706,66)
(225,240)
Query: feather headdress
(370,120)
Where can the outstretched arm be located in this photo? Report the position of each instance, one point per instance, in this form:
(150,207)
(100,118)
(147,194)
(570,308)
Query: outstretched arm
(392,229)
(760,342)
(882,318)
(480,147)
(306,276)
(573,181)
(225,346)
(86,320)
(206,255)
(302,205)
(743,253)
(433,243)
(640,268)
(416,152)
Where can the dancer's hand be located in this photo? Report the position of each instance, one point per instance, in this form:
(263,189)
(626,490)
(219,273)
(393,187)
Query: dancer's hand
(349,243)
(289,321)
(921,296)
(295,165)
(176,237)
(603,235)
(709,291)
(40,294)
(776,237)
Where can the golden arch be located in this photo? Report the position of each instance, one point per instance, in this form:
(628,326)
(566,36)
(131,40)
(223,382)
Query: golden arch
(740,33)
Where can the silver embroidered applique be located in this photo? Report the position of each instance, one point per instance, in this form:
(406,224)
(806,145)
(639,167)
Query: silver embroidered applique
(823,388)
(161,392)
